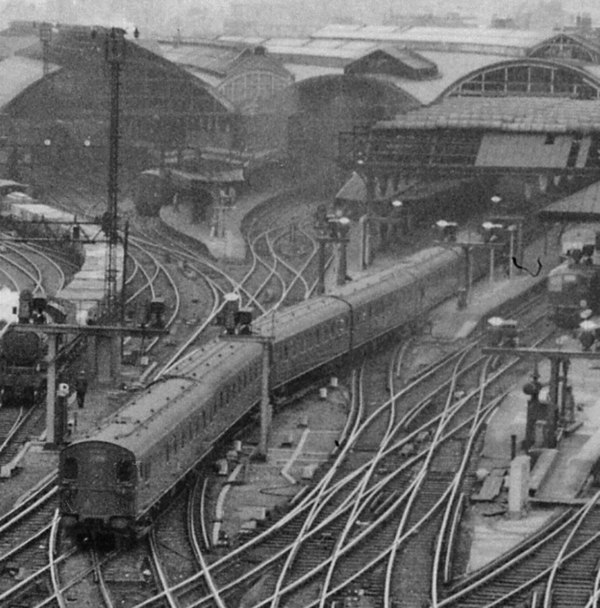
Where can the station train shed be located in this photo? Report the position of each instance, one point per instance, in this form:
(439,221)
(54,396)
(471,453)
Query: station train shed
(396,70)
(420,105)
(56,99)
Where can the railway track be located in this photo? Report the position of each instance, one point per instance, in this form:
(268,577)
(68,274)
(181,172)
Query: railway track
(414,495)
(237,582)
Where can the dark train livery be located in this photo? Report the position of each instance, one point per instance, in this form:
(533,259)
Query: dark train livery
(115,479)
(23,353)
(574,286)
(22,366)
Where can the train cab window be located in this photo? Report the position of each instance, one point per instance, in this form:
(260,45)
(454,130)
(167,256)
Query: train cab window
(70,468)
(125,471)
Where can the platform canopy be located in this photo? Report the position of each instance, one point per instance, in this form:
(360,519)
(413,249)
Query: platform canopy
(508,114)
(583,206)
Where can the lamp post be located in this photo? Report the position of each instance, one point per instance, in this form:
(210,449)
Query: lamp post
(45,33)
(364,169)
(511,225)
(343,229)
(512,229)
(491,236)
(334,231)
(496,200)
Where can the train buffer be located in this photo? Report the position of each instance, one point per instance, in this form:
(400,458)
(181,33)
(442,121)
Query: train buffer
(491,486)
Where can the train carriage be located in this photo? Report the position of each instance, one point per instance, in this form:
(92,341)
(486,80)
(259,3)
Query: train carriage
(99,482)
(174,422)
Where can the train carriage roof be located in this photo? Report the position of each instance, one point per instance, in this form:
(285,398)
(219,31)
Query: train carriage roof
(300,317)
(161,407)
(410,268)
(151,414)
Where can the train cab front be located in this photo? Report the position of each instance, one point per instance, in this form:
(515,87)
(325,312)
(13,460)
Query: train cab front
(568,294)
(97,483)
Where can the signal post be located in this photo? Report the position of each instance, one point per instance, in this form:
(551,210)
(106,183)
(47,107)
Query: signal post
(238,328)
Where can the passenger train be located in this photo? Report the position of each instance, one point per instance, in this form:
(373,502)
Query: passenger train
(574,286)
(115,479)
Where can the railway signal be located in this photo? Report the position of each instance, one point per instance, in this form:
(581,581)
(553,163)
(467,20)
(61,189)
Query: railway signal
(235,320)
(106,351)
(335,231)
(238,326)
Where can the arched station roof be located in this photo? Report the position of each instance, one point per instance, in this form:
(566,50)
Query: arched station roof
(527,77)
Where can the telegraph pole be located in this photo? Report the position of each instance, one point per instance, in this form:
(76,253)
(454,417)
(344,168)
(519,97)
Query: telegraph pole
(45,33)
(115,54)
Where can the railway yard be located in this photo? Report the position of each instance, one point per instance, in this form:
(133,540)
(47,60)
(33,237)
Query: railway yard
(294,377)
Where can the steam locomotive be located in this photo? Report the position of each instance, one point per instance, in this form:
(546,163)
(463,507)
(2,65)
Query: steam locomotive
(23,353)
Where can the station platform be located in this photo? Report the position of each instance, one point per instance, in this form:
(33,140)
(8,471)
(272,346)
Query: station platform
(231,245)
(302,438)
(561,485)
(490,298)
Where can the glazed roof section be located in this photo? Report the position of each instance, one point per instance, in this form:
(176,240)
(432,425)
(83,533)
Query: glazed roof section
(451,67)
(326,54)
(516,114)
(475,40)
(215,58)
(18,73)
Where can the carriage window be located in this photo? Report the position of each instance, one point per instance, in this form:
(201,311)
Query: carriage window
(70,468)
(167,452)
(125,470)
